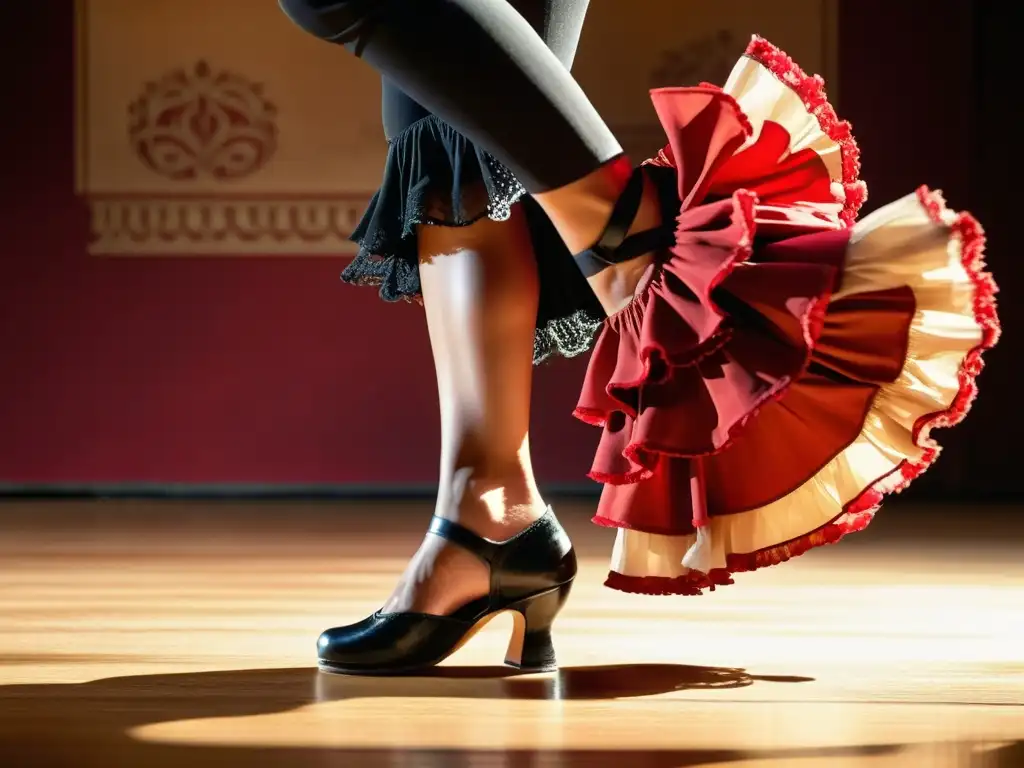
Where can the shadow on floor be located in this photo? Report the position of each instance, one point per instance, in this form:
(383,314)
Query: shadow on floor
(89,724)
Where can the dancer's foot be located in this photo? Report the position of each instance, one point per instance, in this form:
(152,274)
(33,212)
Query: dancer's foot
(442,576)
(530,576)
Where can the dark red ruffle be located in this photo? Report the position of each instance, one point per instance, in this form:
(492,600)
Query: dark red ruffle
(693,584)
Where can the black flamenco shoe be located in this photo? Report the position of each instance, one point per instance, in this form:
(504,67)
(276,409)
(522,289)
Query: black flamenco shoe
(531,575)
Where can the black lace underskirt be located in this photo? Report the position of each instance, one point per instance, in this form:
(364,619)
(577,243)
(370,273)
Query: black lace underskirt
(434,175)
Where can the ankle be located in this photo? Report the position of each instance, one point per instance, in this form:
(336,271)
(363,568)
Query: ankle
(580,210)
(491,504)
(618,285)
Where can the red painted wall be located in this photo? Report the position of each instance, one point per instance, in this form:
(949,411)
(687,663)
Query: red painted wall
(135,370)
(270,370)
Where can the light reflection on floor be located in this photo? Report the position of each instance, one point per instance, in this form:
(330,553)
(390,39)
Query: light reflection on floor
(145,634)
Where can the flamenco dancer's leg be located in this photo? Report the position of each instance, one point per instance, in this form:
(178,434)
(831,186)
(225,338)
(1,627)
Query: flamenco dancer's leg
(517,100)
(480,297)
(477,277)
(493,544)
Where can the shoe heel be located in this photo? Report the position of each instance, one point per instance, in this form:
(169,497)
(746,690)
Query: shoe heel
(531,648)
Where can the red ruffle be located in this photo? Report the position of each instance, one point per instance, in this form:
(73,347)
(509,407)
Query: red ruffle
(737,316)
(669,375)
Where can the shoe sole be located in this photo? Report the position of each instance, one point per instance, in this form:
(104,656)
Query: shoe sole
(334,669)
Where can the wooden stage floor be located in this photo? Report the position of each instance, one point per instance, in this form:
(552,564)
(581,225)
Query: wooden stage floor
(150,634)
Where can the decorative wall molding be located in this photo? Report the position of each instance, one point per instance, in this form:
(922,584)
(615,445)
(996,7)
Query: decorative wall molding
(218,226)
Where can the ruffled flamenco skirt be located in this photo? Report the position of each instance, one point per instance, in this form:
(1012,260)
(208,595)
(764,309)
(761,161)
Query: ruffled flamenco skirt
(781,369)
(435,176)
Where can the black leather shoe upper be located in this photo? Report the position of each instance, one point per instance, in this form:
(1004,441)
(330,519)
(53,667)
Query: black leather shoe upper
(535,560)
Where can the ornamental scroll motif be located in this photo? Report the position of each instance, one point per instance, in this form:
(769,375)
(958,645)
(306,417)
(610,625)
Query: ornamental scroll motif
(191,123)
(197,140)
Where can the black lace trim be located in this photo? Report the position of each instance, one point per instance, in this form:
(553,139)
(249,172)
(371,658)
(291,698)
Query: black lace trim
(435,176)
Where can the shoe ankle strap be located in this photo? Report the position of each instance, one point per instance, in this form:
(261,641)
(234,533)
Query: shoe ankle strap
(614,246)
(487,550)
(623,213)
(483,548)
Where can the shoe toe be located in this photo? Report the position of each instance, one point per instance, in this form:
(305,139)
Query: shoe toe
(350,644)
(324,643)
